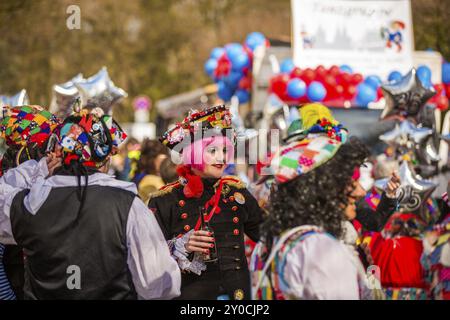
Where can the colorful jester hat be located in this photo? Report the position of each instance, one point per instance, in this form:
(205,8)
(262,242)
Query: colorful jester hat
(89,137)
(26,125)
(321,137)
(197,125)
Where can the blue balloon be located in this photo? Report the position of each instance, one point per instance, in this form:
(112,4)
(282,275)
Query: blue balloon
(233,48)
(373,81)
(296,88)
(365,94)
(424,74)
(316,91)
(287,65)
(254,40)
(346,68)
(242,95)
(240,61)
(446,72)
(224,92)
(232,80)
(217,52)
(210,66)
(394,76)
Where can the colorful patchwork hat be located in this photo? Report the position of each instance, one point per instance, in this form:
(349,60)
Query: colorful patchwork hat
(300,157)
(24,125)
(321,138)
(90,137)
(198,124)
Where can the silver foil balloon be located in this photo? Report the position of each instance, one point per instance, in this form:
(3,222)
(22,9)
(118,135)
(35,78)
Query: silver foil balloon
(19,99)
(413,192)
(408,138)
(406,134)
(100,91)
(406,97)
(64,96)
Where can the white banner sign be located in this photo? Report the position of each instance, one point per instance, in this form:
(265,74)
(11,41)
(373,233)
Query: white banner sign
(372,37)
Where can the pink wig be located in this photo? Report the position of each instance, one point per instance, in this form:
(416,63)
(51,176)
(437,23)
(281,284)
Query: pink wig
(193,155)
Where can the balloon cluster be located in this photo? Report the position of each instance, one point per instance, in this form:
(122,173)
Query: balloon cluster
(231,67)
(414,136)
(333,86)
(95,91)
(443,90)
(339,86)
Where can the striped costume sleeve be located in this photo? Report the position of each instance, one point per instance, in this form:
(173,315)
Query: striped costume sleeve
(6,293)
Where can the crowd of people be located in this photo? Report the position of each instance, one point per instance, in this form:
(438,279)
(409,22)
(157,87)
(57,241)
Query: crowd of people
(78,223)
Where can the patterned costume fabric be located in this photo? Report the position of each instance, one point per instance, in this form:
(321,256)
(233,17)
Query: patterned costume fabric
(6,293)
(27,124)
(217,119)
(90,140)
(436,262)
(273,286)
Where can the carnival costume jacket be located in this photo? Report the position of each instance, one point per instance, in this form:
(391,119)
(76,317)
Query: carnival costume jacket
(238,213)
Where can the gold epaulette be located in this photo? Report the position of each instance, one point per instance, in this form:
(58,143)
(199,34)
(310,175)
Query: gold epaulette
(232,181)
(165,189)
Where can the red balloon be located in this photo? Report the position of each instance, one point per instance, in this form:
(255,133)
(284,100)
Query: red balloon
(379,93)
(349,92)
(308,76)
(223,66)
(330,82)
(245,83)
(344,79)
(442,103)
(356,78)
(447,90)
(339,90)
(334,71)
(278,85)
(296,73)
(321,72)
(440,88)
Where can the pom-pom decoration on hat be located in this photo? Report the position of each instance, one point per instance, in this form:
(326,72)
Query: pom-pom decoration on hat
(315,118)
(197,125)
(23,125)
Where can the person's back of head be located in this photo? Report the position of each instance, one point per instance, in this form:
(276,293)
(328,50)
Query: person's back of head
(168,171)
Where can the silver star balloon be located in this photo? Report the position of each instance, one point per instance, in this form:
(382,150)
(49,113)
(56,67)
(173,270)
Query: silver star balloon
(406,133)
(19,99)
(99,91)
(408,138)
(405,97)
(413,192)
(64,96)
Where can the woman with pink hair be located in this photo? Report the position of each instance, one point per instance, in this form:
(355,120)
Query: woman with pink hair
(204,215)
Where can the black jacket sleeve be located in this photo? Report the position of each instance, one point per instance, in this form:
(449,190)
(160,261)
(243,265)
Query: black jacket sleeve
(375,220)
(254,218)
